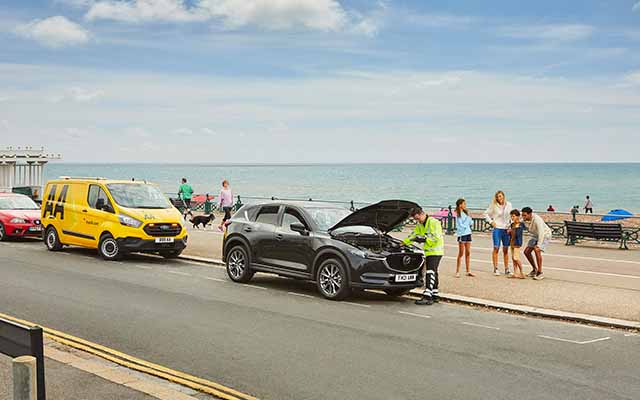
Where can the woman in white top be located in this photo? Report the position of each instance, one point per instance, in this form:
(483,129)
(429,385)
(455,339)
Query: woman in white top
(498,215)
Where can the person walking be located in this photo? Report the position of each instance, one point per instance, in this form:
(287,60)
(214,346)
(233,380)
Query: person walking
(463,232)
(225,203)
(588,205)
(185,193)
(498,216)
(428,231)
(538,243)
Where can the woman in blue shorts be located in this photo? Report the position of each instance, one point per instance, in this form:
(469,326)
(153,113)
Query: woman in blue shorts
(498,215)
(464,222)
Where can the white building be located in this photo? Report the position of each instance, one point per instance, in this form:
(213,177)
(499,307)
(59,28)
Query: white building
(23,166)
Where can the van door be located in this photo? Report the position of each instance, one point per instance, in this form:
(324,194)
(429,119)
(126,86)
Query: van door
(97,212)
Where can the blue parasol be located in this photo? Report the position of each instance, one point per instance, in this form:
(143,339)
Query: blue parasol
(616,215)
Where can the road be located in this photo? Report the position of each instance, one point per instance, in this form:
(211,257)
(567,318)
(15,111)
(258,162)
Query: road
(276,339)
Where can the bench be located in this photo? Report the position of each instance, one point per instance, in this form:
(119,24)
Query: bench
(595,231)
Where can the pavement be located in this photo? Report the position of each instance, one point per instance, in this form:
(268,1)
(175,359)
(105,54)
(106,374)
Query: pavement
(588,279)
(276,338)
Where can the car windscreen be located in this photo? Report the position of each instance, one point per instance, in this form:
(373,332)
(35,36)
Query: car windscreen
(325,218)
(17,203)
(136,195)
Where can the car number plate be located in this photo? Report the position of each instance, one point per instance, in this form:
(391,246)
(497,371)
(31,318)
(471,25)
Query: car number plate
(35,229)
(406,278)
(164,240)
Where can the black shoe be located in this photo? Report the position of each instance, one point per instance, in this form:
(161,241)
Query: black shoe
(436,299)
(425,301)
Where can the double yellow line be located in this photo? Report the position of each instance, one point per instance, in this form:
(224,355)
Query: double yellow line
(137,364)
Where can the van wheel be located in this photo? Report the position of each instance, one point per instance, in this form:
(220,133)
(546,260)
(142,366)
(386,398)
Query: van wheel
(109,248)
(332,280)
(171,253)
(52,240)
(238,265)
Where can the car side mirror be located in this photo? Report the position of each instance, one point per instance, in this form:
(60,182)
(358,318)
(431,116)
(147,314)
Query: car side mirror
(298,227)
(100,204)
(108,208)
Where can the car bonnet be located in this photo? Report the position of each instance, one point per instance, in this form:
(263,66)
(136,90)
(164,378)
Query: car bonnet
(383,216)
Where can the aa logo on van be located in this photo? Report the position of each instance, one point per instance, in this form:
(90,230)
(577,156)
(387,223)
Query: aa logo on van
(55,207)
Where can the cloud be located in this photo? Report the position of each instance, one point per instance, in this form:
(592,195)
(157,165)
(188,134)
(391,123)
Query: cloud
(633,77)
(636,7)
(323,15)
(555,33)
(77,94)
(54,32)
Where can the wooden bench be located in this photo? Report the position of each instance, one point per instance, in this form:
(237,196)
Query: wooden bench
(595,231)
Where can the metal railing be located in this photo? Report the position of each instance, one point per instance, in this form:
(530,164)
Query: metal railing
(20,340)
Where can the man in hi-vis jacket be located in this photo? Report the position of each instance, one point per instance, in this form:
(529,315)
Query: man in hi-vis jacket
(428,231)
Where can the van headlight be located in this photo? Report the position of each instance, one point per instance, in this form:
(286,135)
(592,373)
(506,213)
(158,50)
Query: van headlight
(129,221)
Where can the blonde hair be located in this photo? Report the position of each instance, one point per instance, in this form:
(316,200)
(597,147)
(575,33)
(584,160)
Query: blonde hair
(494,201)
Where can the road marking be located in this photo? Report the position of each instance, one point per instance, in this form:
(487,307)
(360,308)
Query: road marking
(179,273)
(631,334)
(254,287)
(213,279)
(414,315)
(139,365)
(574,341)
(140,266)
(562,255)
(356,304)
(481,326)
(580,271)
(301,295)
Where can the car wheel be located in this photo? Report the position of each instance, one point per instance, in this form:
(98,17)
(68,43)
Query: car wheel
(238,265)
(52,240)
(397,292)
(109,249)
(171,254)
(3,235)
(332,280)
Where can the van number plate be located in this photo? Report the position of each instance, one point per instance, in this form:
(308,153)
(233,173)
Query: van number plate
(406,278)
(164,240)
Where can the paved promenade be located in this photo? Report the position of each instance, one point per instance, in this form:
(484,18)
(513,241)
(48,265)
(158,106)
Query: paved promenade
(588,278)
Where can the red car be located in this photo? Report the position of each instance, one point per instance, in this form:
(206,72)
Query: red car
(19,216)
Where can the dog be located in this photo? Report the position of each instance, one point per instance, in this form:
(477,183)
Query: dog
(203,220)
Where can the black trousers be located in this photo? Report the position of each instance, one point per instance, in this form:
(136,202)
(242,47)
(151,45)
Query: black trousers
(227,213)
(432,281)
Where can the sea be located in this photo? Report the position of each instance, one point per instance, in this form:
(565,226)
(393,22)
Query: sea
(563,185)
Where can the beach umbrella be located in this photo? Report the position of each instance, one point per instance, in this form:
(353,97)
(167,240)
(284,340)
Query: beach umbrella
(616,215)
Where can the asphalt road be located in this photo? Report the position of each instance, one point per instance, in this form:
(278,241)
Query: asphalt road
(276,339)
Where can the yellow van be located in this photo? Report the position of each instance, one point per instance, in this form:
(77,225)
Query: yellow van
(114,217)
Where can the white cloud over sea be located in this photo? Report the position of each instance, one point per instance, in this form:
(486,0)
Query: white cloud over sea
(355,116)
(54,32)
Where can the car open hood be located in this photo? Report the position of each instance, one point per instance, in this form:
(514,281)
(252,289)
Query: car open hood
(383,216)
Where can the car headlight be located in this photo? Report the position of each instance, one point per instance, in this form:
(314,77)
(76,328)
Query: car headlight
(129,221)
(18,221)
(358,253)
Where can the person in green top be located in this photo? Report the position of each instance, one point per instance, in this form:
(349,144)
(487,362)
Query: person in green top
(185,193)
(428,231)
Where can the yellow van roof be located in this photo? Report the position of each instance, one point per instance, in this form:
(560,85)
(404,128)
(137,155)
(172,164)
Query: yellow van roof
(104,181)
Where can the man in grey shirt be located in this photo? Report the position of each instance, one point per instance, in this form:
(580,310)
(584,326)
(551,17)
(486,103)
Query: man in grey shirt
(541,236)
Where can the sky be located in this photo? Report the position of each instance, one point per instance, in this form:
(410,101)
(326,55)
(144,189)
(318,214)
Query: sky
(322,81)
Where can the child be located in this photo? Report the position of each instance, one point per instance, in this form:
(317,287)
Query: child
(463,232)
(516,232)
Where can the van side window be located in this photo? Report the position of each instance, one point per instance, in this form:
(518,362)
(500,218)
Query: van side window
(268,215)
(96,193)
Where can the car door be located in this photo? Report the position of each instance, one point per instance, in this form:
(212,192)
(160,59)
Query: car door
(262,233)
(294,249)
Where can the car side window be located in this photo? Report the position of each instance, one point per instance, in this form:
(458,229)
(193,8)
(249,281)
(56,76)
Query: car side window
(268,215)
(291,216)
(96,193)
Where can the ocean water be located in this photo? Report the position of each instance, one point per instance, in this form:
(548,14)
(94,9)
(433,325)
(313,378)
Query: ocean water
(537,185)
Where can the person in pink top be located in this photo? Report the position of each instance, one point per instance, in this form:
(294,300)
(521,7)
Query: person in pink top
(225,203)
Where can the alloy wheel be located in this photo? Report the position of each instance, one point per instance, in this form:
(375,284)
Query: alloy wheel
(51,239)
(109,248)
(237,264)
(331,279)
(2,234)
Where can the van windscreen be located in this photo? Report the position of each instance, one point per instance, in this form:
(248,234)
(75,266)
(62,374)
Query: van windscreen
(136,195)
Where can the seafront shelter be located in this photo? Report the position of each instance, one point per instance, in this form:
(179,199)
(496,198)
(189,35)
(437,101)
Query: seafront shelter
(22,169)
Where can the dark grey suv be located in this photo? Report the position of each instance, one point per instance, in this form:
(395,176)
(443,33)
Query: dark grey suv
(332,246)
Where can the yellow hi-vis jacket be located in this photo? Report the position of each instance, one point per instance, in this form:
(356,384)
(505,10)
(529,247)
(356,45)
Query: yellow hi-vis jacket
(432,233)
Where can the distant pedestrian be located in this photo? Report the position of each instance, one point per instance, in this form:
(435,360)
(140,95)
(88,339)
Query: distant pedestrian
(428,230)
(463,231)
(538,243)
(498,216)
(185,193)
(516,231)
(550,208)
(225,203)
(588,205)
(575,210)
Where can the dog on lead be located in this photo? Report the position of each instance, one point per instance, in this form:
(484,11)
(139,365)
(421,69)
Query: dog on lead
(203,220)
